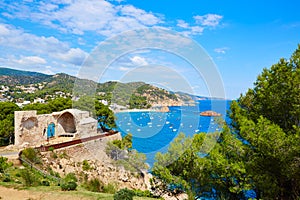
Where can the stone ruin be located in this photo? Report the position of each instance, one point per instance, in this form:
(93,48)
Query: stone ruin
(32,129)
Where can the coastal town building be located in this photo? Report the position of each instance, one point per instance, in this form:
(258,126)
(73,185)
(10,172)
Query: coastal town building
(32,129)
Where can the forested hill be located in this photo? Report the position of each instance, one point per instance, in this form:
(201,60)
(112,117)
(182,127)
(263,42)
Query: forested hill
(134,94)
(13,77)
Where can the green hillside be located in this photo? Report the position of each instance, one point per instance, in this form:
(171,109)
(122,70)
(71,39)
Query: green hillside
(131,95)
(13,77)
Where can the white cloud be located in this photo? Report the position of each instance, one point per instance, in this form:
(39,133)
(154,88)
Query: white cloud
(51,47)
(80,16)
(47,71)
(31,60)
(221,50)
(105,17)
(197,30)
(200,24)
(124,69)
(18,39)
(74,56)
(182,24)
(210,20)
(188,29)
(138,61)
(140,15)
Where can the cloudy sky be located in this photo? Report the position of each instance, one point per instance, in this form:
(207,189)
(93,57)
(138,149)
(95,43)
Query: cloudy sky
(241,37)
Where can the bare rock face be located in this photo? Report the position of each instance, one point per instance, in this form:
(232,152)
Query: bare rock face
(210,113)
(165,109)
(90,161)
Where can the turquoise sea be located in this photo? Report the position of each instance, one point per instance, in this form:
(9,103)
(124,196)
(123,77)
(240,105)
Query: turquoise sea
(154,131)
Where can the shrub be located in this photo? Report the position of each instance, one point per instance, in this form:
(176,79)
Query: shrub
(69,182)
(51,149)
(110,188)
(53,173)
(4,164)
(141,193)
(54,155)
(64,155)
(85,165)
(28,177)
(124,194)
(31,155)
(68,186)
(6,178)
(45,183)
(94,185)
(70,177)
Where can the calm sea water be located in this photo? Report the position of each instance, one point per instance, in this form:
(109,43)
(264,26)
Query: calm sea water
(154,131)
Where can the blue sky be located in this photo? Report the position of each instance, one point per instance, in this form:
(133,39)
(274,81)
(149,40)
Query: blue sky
(242,37)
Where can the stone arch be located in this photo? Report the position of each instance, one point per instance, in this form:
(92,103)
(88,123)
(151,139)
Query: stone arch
(67,122)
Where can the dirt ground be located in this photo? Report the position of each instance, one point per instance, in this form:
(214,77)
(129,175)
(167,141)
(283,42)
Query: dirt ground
(14,194)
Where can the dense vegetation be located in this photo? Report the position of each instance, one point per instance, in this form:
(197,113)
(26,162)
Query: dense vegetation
(7,122)
(257,156)
(12,77)
(30,175)
(53,86)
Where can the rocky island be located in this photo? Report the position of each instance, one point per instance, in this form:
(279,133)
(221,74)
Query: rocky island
(210,113)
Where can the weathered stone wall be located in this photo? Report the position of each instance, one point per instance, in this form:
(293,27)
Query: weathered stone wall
(31,129)
(86,129)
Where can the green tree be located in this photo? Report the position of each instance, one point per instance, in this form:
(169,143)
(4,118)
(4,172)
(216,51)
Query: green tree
(259,151)
(276,94)
(41,108)
(138,102)
(54,105)
(267,117)
(106,117)
(60,104)
(7,110)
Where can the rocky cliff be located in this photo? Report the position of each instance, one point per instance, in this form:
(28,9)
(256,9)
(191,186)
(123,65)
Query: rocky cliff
(100,166)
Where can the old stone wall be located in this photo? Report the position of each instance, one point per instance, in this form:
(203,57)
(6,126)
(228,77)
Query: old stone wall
(34,130)
(30,128)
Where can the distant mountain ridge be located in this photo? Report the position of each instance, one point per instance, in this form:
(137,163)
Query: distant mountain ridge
(13,77)
(131,95)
